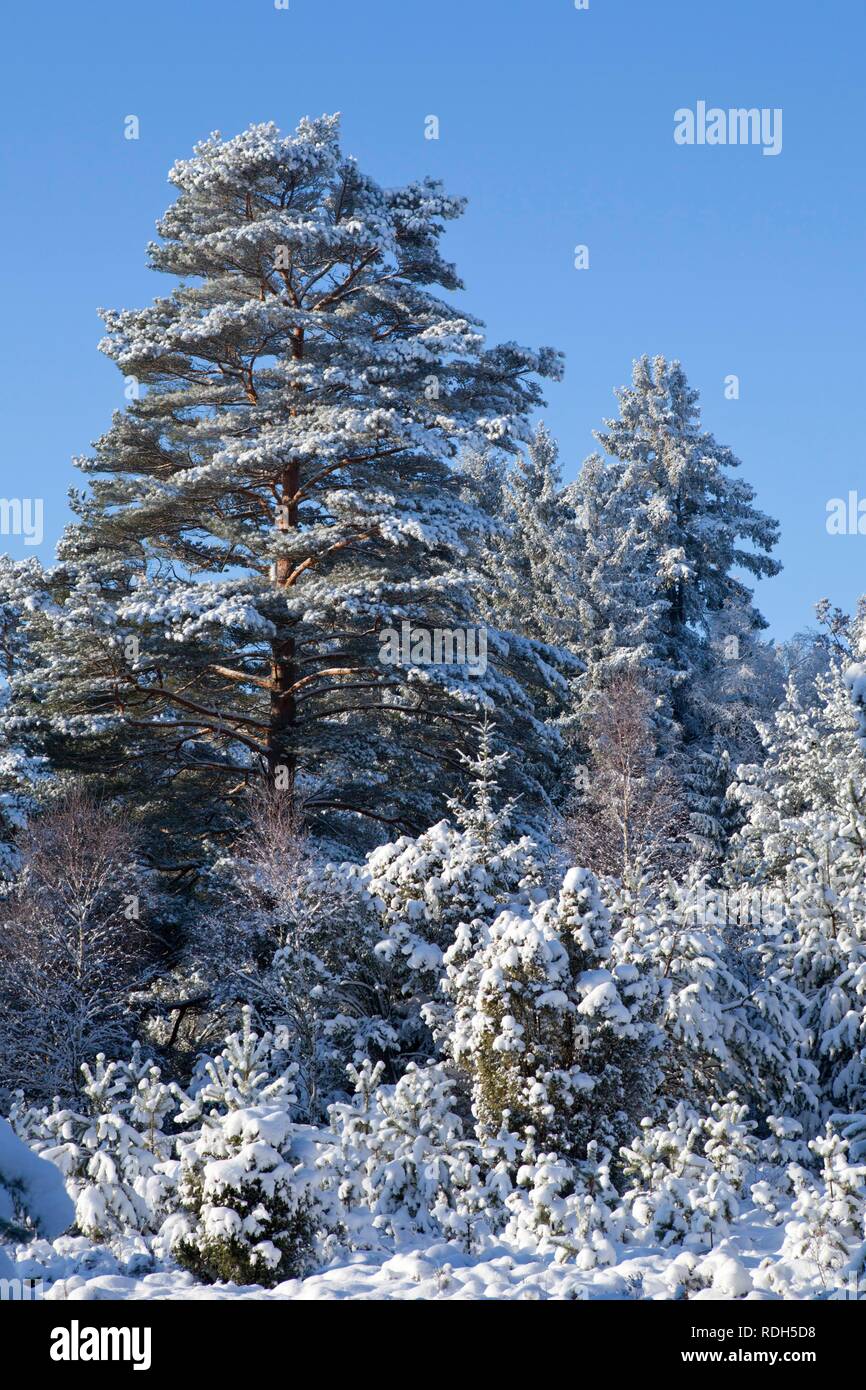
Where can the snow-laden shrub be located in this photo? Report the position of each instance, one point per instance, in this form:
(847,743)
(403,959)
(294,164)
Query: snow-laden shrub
(252,1211)
(401,1163)
(249,1212)
(572,1210)
(113,1152)
(541,1028)
(687,1174)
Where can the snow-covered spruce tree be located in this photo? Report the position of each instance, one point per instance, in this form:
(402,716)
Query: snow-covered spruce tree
(545,1033)
(446,884)
(804,844)
(668,528)
(244,1185)
(277,493)
(33,1198)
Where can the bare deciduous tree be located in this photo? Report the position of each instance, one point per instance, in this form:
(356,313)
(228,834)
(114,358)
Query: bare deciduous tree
(72,946)
(627,816)
(281,937)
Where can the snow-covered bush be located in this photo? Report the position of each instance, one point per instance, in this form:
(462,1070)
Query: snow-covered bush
(33,1198)
(249,1213)
(541,1030)
(687,1174)
(252,1212)
(400,1161)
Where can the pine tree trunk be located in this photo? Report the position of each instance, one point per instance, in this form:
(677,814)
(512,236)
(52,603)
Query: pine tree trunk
(281,753)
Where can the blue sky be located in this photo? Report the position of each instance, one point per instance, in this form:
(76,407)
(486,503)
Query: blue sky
(558,126)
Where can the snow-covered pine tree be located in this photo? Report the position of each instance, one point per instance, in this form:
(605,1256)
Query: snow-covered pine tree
(244,1184)
(668,528)
(571,1209)
(278,492)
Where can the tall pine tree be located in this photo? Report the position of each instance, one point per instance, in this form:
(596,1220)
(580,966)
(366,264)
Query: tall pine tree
(277,494)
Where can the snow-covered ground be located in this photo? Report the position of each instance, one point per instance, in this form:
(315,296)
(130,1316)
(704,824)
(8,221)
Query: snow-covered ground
(745,1265)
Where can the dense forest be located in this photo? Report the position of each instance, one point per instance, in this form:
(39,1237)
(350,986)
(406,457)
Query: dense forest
(414,867)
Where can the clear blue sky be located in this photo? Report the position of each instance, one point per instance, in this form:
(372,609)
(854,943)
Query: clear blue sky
(558,126)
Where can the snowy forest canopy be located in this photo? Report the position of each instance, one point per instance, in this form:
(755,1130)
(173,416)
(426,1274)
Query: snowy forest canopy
(404,851)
